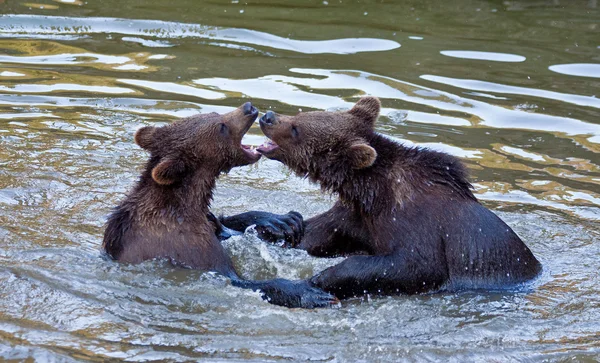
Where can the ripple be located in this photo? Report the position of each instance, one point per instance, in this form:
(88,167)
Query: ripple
(133,105)
(488,56)
(577,69)
(67,156)
(58,25)
(175,88)
(64,59)
(11,74)
(148,43)
(491,87)
(288,90)
(41,88)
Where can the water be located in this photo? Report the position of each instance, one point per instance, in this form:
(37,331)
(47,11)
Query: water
(510,87)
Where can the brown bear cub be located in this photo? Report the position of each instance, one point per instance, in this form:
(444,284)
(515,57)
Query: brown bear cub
(167,215)
(406,216)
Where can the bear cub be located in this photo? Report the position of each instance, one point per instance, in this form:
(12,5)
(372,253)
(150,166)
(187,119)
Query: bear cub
(406,216)
(166,215)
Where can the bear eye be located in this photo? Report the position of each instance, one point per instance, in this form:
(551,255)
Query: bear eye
(223,129)
(294,131)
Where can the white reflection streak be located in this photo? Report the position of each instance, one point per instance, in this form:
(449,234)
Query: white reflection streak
(10,116)
(59,59)
(522,153)
(53,25)
(486,56)
(44,88)
(281,88)
(577,69)
(175,88)
(133,105)
(519,196)
(475,85)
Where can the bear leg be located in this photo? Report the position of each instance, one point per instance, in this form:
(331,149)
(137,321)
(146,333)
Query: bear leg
(380,275)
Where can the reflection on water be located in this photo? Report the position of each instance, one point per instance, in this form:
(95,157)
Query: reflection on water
(579,69)
(12,25)
(489,56)
(511,88)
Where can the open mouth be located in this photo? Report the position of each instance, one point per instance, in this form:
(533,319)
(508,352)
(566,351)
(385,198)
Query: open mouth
(268,147)
(254,111)
(251,152)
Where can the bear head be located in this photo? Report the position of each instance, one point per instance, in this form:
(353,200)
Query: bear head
(210,143)
(312,141)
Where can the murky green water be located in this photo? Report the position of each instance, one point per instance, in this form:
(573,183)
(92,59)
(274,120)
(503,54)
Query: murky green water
(511,87)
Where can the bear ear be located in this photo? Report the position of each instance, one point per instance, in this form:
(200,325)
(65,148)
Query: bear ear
(361,155)
(144,137)
(367,108)
(168,171)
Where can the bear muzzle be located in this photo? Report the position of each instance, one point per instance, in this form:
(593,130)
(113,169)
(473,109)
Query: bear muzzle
(269,119)
(250,110)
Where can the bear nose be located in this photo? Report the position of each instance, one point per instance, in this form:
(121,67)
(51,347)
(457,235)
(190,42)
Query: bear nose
(268,118)
(248,109)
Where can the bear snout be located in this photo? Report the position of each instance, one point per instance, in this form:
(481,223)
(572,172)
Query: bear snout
(269,118)
(248,109)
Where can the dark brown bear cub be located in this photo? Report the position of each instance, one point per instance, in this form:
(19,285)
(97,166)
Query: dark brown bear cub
(167,215)
(406,215)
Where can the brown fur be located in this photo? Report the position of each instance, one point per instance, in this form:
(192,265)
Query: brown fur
(411,211)
(165,215)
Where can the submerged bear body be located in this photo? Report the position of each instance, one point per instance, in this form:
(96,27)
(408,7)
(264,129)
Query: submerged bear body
(406,216)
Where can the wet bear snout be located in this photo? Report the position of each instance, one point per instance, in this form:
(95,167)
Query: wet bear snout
(268,118)
(248,109)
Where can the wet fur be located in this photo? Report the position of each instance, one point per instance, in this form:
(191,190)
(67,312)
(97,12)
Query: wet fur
(166,215)
(409,222)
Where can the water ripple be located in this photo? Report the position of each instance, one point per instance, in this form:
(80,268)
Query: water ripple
(476,85)
(58,25)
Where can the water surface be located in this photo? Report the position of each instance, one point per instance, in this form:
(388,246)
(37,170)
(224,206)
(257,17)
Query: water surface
(510,87)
